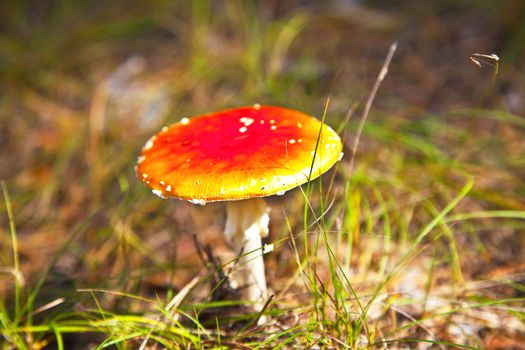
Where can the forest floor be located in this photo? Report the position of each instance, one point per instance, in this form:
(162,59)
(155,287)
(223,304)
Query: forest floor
(414,240)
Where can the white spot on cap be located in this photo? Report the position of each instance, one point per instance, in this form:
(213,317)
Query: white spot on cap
(168,188)
(261,121)
(158,193)
(243,129)
(300,140)
(246,121)
(222,191)
(184,121)
(272,121)
(341,155)
(257,106)
(162,183)
(280,193)
(291,141)
(267,248)
(273,127)
(253,182)
(149,143)
(299,125)
(164,129)
(141,159)
(144,175)
(198,201)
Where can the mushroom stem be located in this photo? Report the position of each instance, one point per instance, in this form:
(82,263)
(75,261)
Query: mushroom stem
(246,222)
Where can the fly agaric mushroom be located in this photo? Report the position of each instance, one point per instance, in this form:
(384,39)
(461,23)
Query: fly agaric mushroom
(239,155)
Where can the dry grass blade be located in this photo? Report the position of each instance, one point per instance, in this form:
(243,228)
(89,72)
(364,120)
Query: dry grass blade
(381,76)
(180,296)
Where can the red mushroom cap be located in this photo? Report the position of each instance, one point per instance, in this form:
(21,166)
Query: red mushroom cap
(237,154)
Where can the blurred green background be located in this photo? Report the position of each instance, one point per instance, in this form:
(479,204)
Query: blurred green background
(83,84)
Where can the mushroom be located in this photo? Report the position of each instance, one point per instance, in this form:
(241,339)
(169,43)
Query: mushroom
(239,155)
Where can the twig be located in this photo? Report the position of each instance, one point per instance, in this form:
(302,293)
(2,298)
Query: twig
(218,278)
(381,76)
(199,249)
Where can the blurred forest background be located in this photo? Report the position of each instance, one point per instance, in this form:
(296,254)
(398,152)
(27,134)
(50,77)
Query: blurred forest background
(427,228)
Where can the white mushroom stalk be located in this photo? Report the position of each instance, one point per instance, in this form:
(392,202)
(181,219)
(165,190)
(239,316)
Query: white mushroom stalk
(246,224)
